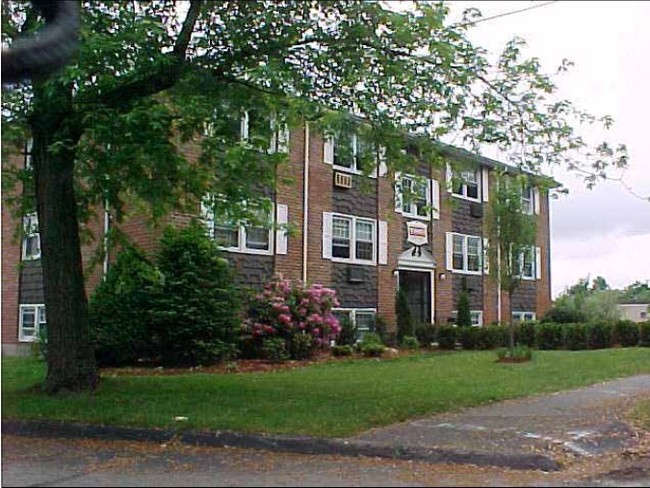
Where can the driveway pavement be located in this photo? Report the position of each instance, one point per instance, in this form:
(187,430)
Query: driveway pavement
(543,434)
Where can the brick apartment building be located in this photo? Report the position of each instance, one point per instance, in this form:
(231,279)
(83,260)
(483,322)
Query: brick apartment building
(364,241)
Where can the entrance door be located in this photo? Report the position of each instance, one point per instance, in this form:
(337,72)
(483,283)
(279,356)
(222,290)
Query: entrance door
(417,285)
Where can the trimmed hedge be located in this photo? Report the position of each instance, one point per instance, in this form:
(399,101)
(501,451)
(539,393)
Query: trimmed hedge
(626,333)
(644,334)
(446,337)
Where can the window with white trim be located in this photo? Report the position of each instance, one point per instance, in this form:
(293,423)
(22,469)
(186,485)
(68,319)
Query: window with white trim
(353,239)
(525,263)
(476,316)
(251,239)
(466,185)
(31,323)
(31,238)
(362,318)
(352,153)
(466,253)
(418,204)
(527,199)
(523,316)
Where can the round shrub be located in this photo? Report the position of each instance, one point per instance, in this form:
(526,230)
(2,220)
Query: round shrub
(285,309)
(372,349)
(575,336)
(348,334)
(371,338)
(525,333)
(644,334)
(446,337)
(599,335)
(197,317)
(120,310)
(468,337)
(625,333)
(410,342)
(491,337)
(275,350)
(549,336)
(425,334)
(342,351)
(301,346)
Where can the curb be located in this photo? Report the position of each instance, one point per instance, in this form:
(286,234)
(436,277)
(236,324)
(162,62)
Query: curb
(300,444)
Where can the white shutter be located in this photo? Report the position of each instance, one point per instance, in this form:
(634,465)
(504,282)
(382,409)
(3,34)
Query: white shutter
(536,201)
(538,263)
(383,242)
(435,199)
(282,212)
(486,256)
(382,167)
(283,139)
(485,183)
(450,176)
(450,250)
(327,235)
(399,199)
(243,127)
(328,151)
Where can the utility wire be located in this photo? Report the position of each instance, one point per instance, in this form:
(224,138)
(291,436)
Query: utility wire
(505,14)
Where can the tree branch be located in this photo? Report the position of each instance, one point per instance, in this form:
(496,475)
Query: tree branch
(140,85)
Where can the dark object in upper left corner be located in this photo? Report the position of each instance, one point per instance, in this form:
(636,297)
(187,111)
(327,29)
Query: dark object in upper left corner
(40,54)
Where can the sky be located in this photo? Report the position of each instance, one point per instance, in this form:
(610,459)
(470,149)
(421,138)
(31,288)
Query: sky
(604,231)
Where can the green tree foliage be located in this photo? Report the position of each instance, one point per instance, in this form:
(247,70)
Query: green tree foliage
(637,292)
(584,303)
(512,234)
(121,310)
(197,315)
(464,318)
(405,320)
(151,77)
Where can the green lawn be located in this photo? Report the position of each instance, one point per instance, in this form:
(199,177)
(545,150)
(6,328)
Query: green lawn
(330,399)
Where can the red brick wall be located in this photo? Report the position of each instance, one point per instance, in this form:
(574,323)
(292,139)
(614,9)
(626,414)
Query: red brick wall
(11,255)
(444,299)
(289,191)
(319,270)
(490,281)
(387,282)
(543,241)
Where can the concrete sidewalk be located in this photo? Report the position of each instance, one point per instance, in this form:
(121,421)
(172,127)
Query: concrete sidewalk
(527,433)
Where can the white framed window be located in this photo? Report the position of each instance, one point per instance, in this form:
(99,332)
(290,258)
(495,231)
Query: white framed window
(31,245)
(523,316)
(250,239)
(476,316)
(464,253)
(31,322)
(527,199)
(419,204)
(362,318)
(467,184)
(351,153)
(351,239)
(526,263)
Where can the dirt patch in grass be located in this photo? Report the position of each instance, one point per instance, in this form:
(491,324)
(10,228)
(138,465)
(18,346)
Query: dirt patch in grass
(229,367)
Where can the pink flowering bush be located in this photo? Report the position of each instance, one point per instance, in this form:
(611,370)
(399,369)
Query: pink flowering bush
(287,310)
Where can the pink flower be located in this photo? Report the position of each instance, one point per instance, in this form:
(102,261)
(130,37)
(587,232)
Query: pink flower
(315,319)
(284,318)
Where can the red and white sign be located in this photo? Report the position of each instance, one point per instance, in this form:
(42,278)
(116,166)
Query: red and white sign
(416,233)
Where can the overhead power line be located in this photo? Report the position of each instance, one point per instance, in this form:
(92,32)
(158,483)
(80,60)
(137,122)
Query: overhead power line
(505,14)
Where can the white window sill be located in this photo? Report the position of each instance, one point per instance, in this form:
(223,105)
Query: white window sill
(354,171)
(354,261)
(31,258)
(462,271)
(415,216)
(28,339)
(246,251)
(463,197)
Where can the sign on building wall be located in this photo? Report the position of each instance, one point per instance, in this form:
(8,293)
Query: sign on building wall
(416,233)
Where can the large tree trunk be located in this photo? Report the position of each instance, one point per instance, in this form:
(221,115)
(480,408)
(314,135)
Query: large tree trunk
(71,362)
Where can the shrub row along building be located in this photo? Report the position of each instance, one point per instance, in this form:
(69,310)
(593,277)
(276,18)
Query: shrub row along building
(351,231)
